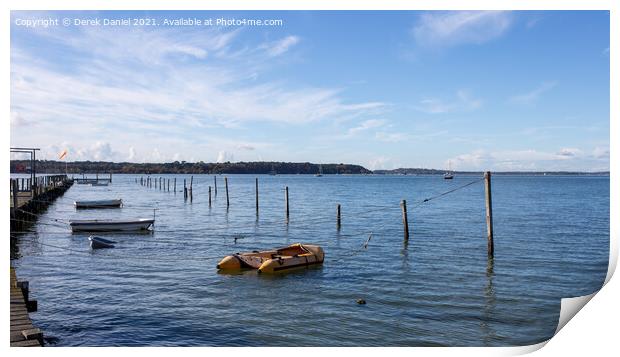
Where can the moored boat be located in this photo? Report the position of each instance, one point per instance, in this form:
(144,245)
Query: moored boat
(95,225)
(98,242)
(99,203)
(272,261)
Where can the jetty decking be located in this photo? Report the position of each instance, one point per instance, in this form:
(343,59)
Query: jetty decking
(23,333)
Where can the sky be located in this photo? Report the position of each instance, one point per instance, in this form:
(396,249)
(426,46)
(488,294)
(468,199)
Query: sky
(492,90)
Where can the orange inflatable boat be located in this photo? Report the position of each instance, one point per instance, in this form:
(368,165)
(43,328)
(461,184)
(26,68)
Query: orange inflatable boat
(272,261)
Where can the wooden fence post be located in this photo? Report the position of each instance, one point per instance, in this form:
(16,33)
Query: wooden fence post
(14,189)
(489,207)
(286,200)
(215,184)
(209,196)
(226,184)
(175,186)
(191,188)
(184,189)
(256,196)
(338,216)
(403,206)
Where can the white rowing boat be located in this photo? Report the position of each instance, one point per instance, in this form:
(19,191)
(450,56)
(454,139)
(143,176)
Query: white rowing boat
(98,242)
(99,203)
(99,184)
(96,225)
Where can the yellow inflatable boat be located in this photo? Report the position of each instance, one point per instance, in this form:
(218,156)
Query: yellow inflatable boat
(271,261)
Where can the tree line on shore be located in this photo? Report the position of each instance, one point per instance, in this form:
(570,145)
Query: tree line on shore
(260,167)
(182,167)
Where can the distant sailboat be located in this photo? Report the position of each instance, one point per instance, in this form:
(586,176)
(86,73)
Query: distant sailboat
(449,175)
(320,171)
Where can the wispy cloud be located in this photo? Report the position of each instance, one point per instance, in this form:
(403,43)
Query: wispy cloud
(365,126)
(172,86)
(279,47)
(533,95)
(531,160)
(442,29)
(462,101)
(390,136)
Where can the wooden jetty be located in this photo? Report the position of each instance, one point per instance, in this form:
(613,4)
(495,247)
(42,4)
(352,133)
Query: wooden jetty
(28,196)
(23,333)
(96,180)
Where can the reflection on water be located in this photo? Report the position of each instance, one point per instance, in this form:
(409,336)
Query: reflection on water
(437,288)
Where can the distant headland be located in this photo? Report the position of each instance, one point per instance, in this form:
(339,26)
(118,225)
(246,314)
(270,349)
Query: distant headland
(257,167)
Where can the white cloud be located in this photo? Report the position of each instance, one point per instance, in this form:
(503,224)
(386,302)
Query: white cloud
(132,154)
(365,126)
(568,153)
(390,137)
(462,101)
(122,86)
(279,47)
(18,120)
(601,152)
(224,156)
(247,147)
(533,95)
(442,29)
(564,159)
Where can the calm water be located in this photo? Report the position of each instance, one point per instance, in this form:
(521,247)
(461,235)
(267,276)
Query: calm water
(162,289)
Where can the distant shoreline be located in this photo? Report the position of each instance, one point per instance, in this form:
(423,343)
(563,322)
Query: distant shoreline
(261,167)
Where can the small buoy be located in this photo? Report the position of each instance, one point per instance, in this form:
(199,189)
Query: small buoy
(361,301)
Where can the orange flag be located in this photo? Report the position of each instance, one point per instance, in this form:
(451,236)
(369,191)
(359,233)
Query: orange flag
(63,154)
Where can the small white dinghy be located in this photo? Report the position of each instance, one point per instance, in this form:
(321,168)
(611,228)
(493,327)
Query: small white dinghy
(96,225)
(99,203)
(98,242)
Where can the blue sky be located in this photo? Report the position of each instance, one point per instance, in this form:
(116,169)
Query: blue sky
(524,90)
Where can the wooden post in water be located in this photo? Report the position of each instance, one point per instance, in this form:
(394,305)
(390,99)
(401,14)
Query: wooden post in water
(175,186)
(226,184)
(191,188)
(209,196)
(184,189)
(338,216)
(403,206)
(215,184)
(168,185)
(110,176)
(489,206)
(256,189)
(160,183)
(14,188)
(286,200)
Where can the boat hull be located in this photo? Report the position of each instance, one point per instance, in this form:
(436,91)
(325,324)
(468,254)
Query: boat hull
(111,226)
(100,243)
(98,204)
(274,261)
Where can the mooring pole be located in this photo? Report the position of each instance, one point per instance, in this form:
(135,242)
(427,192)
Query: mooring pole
(403,206)
(184,189)
(191,188)
(226,184)
(215,184)
(338,216)
(168,185)
(256,189)
(489,206)
(175,186)
(286,200)
(209,196)
(14,188)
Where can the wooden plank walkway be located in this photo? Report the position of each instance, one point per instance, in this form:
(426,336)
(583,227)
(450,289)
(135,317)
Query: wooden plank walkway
(23,333)
(22,199)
